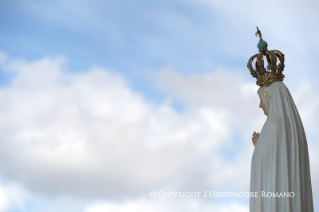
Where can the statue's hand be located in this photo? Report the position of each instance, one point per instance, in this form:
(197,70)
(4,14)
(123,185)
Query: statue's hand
(255,138)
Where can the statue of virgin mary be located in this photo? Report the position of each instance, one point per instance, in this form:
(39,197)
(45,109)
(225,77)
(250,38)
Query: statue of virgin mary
(280,172)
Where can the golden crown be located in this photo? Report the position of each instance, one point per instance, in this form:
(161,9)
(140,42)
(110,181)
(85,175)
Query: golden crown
(274,72)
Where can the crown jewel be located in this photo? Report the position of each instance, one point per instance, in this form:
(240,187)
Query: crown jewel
(274,71)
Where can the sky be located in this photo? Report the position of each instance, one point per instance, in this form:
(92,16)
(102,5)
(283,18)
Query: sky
(102,102)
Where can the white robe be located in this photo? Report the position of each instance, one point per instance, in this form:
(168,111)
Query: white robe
(280,161)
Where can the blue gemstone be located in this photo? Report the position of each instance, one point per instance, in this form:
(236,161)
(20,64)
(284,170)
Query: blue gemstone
(262,45)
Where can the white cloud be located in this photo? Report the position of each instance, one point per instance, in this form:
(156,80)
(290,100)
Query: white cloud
(12,195)
(192,205)
(89,134)
(136,206)
(3,199)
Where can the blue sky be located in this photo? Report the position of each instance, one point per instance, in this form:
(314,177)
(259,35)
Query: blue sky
(104,101)
(130,37)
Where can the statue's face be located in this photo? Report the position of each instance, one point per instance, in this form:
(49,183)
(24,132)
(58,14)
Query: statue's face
(261,105)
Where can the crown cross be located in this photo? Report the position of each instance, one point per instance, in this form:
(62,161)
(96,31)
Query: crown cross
(258,33)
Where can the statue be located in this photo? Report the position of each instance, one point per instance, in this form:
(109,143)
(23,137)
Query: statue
(280,172)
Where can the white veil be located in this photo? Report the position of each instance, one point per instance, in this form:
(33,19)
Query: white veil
(280,161)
